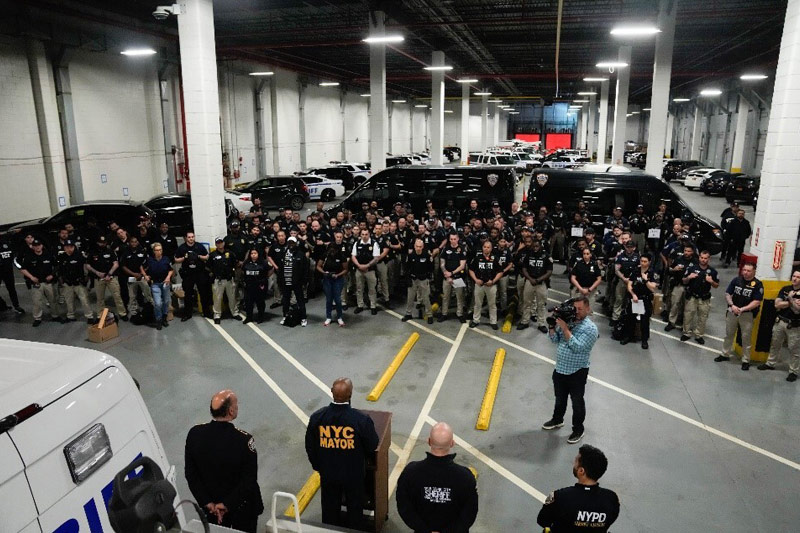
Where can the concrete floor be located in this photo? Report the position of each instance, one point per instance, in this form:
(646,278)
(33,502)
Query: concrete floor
(693,445)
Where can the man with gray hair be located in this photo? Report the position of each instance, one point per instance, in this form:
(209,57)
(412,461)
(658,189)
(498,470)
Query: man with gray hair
(436,494)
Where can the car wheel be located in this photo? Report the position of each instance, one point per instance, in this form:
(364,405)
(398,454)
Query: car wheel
(327,195)
(296,203)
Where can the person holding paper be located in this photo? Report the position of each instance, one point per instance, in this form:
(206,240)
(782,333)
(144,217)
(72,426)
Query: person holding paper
(586,275)
(641,286)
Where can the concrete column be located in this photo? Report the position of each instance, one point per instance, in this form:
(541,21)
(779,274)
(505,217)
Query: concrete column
(273,117)
(602,126)
(621,107)
(585,127)
(411,128)
(437,109)
(496,126)
(69,135)
(225,117)
(659,102)
(484,122)
(576,139)
(389,117)
(592,124)
(166,115)
(777,218)
(44,101)
(301,93)
(378,118)
(201,102)
(258,105)
(670,127)
(737,157)
(697,133)
(465,88)
(342,111)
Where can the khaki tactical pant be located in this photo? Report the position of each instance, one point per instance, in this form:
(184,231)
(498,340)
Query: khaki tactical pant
(695,311)
(782,335)
(220,288)
(744,322)
(70,292)
(447,289)
(367,277)
(419,289)
(382,275)
(676,303)
(490,293)
(502,293)
(620,290)
(100,287)
(133,287)
(44,292)
(534,300)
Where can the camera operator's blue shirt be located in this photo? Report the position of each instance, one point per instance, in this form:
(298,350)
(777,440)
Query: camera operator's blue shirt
(573,354)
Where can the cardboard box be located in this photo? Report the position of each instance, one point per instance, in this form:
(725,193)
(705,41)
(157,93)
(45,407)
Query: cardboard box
(106,329)
(658,300)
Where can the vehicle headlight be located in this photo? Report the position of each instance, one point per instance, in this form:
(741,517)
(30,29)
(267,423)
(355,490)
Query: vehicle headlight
(88,452)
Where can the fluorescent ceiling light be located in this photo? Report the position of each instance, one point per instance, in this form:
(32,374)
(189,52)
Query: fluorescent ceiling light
(262,73)
(138,52)
(595,79)
(513,112)
(679,100)
(438,67)
(629,115)
(635,112)
(581,101)
(421,105)
(586,93)
(634,31)
(495,101)
(751,77)
(645,109)
(329,84)
(483,93)
(467,80)
(576,107)
(448,110)
(380,39)
(710,92)
(611,64)
(398,101)
(367,95)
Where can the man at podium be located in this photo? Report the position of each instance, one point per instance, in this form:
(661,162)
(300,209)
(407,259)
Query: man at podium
(338,441)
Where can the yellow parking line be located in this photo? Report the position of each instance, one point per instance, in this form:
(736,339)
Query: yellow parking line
(310,487)
(485,414)
(387,376)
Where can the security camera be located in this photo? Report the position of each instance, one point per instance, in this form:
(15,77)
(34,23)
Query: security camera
(163,12)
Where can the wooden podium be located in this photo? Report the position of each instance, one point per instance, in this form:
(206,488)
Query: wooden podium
(376,479)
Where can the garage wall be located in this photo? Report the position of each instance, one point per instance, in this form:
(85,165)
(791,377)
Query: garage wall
(243,130)
(401,128)
(356,127)
(323,119)
(420,130)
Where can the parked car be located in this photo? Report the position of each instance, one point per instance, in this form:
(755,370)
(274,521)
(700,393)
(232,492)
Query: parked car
(717,183)
(672,170)
(335,173)
(242,201)
(278,191)
(489,159)
(322,188)
(452,153)
(694,178)
(743,189)
(392,161)
(360,171)
(605,167)
(176,210)
(639,160)
(564,161)
(602,191)
(416,184)
(125,213)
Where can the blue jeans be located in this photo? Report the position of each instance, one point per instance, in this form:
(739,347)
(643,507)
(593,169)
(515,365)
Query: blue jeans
(161,298)
(332,287)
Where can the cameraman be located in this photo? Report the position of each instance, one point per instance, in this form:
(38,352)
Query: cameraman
(575,342)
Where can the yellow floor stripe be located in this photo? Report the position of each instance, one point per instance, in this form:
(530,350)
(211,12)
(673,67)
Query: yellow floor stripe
(485,414)
(393,367)
(305,495)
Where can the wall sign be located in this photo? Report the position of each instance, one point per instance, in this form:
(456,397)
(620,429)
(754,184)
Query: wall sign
(777,255)
(103,178)
(125,191)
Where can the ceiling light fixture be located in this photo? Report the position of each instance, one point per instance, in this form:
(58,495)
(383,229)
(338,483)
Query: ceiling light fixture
(421,105)
(398,101)
(753,77)
(262,73)
(710,92)
(382,39)
(467,80)
(634,31)
(438,67)
(645,109)
(483,93)
(495,101)
(366,95)
(138,52)
(587,93)
(595,79)
(580,101)
(611,64)
(576,107)
(513,112)
(679,100)
(635,112)
(329,84)
(629,115)
(448,110)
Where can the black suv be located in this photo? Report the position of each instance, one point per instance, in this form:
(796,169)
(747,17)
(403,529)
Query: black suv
(602,192)
(337,173)
(278,191)
(673,168)
(127,214)
(176,210)
(743,189)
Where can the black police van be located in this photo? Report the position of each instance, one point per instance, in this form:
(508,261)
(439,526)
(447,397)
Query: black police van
(414,184)
(602,192)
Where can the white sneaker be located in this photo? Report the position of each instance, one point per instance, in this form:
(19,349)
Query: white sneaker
(341,322)
(283,320)
(304,322)
(327,322)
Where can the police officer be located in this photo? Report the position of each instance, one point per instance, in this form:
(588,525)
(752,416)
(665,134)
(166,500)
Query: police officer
(339,439)
(71,268)
(677,270)
(382,264)
(364,255)
(485,272)
(222,467)
(585,506)
(698,279)
(558,243)
(436,494)
(738,231)
(275,258)
(192,257)
(453,263)
(103,265)
(505,258)
(38,267)
(131,262)
(169,244)
(744,295)
(641,285)
(537,267)
(222,263)
(7,273)
(786,329)
(255,271)
(639,223)
(292,278)
(625,264)
(585,275)
(420,269)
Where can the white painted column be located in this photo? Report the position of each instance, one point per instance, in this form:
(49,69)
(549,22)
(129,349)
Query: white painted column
(778,217)
(668,142)
(465,88)
(378,118)
(225,116)
(592,124)
(585,126)
(484,122)
(496,125)
(437,108)
(602,126)
(659,102)
(201,103)
(621,107)
(697,133)
(737,156)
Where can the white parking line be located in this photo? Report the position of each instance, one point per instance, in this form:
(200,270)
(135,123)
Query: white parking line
(658,407)
(420,326)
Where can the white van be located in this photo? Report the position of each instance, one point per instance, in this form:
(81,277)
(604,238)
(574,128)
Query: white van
(70,419)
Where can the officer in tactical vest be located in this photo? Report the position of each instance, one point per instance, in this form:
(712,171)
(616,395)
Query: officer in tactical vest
(786,330)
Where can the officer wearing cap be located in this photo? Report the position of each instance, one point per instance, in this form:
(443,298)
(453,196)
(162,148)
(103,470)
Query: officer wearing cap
(725,218)
(698,279)
(453,263)
(192,257)
(558,243)
(38,267)
(639,223)
(786,330)
(72,278)
(677,270)
(485,272)
(616,219)
(292,277)
(537,267)
(133,257)
(625,266)
(364,255)
(420,269)
(103,265)
(744,295)
(223,267)
(7,273)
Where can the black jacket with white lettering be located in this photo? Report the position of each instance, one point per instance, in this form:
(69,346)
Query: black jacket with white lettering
(436,494)
(338,441)
(579,508)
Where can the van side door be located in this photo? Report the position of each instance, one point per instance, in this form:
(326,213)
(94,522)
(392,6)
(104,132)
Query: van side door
(17,508)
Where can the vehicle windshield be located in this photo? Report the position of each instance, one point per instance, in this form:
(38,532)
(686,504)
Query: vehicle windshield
(504,160)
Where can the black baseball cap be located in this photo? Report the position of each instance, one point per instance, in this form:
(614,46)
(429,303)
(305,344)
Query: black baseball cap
(101,238)
(36,242)
(589,231)
(559,203)
(495,204)
(640,206)
(219,239)
(618,207)
(630,244)
(235,224)
(398,204)
(448,218)
(70,242)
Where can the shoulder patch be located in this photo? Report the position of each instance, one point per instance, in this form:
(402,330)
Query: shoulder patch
(550,498)
(251,445)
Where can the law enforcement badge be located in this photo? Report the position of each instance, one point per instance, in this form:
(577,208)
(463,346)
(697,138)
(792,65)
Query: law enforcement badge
(541,179)
(492,179)
(550,498)
(251,445)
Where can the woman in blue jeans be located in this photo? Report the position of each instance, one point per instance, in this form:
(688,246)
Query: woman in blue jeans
(157,271)
(333,268)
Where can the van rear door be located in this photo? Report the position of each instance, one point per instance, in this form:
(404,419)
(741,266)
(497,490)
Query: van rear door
(17,509)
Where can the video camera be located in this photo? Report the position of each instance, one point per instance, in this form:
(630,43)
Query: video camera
(565,311)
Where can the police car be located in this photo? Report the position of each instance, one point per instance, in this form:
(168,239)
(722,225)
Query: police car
(322,188)
(70,420)
(241,201)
